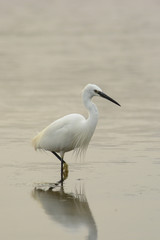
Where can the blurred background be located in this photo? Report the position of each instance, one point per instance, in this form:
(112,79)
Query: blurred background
(52,49)
(49,51)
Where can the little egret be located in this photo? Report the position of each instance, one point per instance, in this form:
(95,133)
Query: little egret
(73,131)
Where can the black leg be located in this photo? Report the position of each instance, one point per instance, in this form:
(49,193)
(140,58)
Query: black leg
(62,162)
(58,157)
(62,172)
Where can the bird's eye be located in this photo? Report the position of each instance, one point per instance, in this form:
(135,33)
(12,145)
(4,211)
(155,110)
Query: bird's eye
(96,91)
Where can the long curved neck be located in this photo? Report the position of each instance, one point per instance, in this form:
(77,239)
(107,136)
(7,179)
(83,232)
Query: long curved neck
(92,111)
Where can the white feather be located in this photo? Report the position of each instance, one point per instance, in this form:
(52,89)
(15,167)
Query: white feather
(71,132)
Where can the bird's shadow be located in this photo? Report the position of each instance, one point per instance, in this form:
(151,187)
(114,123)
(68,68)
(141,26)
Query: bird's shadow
(71,210)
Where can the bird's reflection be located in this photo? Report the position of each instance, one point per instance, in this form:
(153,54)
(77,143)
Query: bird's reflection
(69,209)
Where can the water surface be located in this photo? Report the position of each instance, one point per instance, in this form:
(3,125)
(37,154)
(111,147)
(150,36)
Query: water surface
(49,50)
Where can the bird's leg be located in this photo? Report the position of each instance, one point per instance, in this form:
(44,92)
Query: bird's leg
(64,171)
(58,157)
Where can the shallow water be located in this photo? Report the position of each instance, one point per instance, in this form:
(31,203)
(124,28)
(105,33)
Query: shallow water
(49,51)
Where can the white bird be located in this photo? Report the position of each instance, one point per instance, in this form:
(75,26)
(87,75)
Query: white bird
(73,131)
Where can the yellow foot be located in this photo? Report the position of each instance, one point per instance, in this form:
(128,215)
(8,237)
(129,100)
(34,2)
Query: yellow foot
(65,171)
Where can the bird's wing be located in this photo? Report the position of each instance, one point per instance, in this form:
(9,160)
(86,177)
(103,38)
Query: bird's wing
(60,135)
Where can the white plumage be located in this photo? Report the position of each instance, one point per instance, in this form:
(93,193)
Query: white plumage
(72,132)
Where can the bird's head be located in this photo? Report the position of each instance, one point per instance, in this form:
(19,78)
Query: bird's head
(92,90)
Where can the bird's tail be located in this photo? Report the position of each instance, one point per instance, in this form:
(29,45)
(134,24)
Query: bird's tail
(35,141)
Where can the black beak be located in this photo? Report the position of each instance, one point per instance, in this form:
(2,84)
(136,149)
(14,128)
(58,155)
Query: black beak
(108,98)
